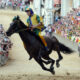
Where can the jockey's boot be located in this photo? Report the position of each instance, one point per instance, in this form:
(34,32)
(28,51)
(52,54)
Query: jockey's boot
(44,43)
(46,48)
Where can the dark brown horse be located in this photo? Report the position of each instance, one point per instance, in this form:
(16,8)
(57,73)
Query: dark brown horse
(34,45)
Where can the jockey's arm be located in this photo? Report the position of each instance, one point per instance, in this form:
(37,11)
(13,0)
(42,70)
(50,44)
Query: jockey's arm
(34,26)
(39,20)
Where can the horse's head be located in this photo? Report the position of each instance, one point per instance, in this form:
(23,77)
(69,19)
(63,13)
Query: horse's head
(15,26)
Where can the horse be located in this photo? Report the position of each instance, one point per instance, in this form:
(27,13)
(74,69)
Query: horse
(34,46)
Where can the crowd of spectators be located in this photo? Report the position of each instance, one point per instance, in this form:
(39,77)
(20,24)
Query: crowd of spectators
(69,26)
(15,5)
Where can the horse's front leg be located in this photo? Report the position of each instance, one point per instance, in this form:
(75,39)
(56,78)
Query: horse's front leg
(46,62)
(50,61)
(43,67)
(40,55)
(59,59)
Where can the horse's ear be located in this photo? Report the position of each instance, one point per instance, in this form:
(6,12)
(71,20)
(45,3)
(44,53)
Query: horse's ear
(18,17)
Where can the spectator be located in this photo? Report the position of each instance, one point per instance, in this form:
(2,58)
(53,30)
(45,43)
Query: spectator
(69,25)
(48,30)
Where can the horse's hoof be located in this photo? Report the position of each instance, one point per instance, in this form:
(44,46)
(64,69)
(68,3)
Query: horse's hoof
(58,65)
(53,72)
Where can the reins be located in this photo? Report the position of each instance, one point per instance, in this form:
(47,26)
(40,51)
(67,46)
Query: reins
(22,30)
(27,28)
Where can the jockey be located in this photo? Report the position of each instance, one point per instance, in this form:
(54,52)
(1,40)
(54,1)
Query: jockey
(36,23)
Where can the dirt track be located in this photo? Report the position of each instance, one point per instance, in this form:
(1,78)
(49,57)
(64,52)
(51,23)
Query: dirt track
(20,68)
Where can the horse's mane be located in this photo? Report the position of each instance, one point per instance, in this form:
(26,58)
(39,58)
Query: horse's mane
(31,32)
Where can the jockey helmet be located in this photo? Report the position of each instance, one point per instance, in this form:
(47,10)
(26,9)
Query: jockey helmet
(29,9)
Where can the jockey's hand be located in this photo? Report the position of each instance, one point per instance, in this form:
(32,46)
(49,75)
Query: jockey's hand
(33,26)
(31,29)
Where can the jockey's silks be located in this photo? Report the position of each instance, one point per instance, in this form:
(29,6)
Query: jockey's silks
(43,40)
(30,23)
(35,20)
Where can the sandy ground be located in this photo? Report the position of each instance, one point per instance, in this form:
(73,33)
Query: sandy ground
(20,68)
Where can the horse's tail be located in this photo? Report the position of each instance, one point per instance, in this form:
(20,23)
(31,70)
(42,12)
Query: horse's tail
(65,49)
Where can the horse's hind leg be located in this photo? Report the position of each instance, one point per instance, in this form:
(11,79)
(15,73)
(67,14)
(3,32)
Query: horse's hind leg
(43,67)
(46,57)
(59,59)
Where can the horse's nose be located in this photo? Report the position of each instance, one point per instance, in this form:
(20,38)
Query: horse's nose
(7,33)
